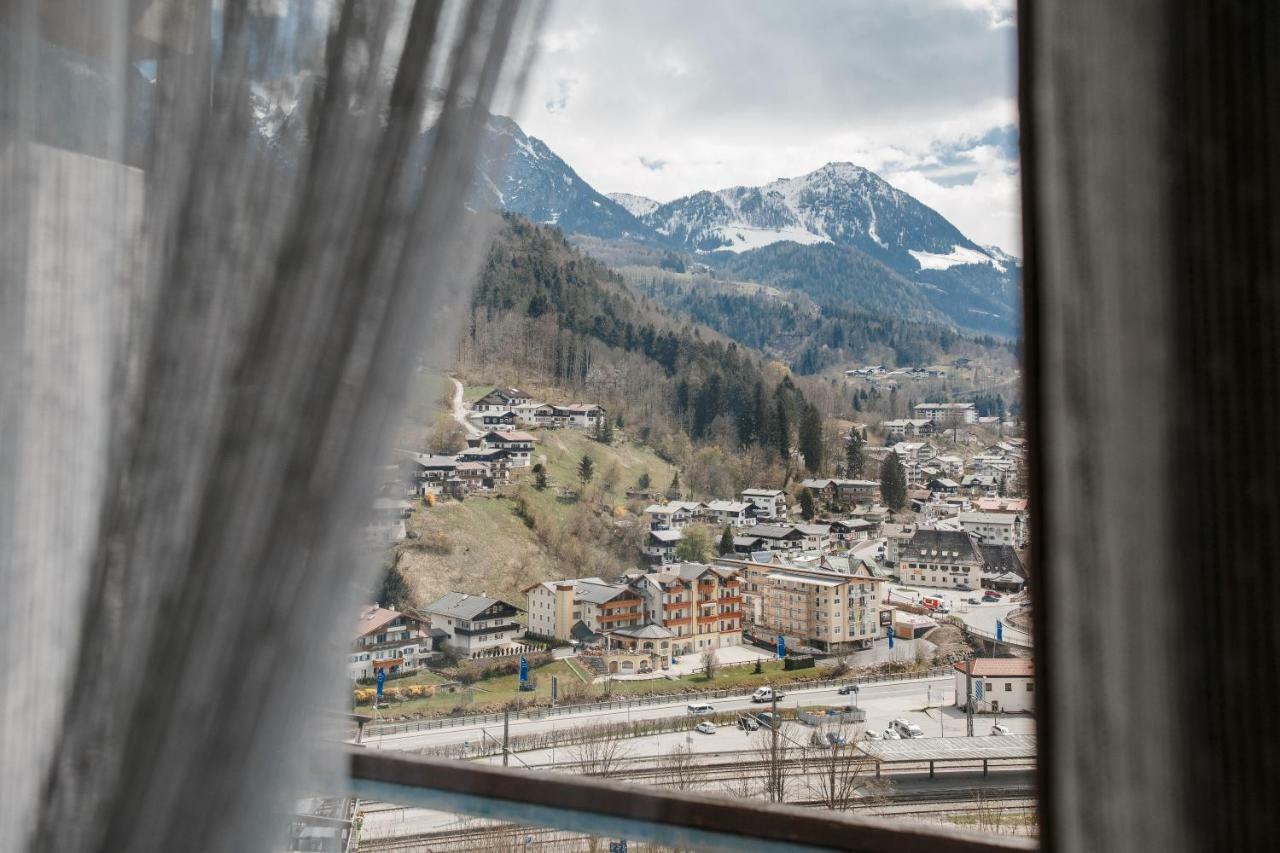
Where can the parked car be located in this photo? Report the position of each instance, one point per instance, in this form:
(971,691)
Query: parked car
(964,587)
(871,734)
(990,596)
(973,600)
(836,739)
(766,719)
(706,727)
(891,733)
(999,729)
(907,729)
(846,689)
(702,708)
(749,724)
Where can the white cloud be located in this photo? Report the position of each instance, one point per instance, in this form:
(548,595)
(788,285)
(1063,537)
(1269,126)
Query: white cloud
(731,92)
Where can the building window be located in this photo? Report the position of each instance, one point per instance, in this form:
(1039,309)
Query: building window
(1008,687)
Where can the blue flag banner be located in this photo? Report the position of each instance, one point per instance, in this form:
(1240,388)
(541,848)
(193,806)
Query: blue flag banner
(999,631)
(977,685)
(382,677)
(524,669)
(782,646)
(891,636)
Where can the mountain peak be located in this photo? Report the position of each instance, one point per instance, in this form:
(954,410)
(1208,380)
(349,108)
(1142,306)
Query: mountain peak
(636,205)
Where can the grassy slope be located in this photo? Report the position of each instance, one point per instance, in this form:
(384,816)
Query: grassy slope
(491,549)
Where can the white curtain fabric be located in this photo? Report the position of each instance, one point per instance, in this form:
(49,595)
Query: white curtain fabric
(228,232)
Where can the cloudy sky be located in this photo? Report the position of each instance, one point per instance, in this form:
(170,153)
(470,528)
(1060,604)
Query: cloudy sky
(664,98)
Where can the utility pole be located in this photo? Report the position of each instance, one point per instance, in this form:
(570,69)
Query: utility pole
(774,779)
(506,736)
(968,695)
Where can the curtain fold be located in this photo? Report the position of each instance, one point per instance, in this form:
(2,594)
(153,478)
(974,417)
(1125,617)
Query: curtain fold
(230,232)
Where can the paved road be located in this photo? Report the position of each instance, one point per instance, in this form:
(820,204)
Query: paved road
(460,411)
(980,616)
(883,702)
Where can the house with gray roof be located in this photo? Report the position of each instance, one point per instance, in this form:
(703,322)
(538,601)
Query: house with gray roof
(476,625)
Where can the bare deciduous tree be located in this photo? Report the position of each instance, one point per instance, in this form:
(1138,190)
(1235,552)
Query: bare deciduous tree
(601,756)
(836,773)
(709,663)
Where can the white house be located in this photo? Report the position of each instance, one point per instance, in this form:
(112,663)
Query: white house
(772,503)
(578,415)
(907,427)
(733,513)
(946,413)
(517,444)
(671,516)
(386,639)
(993,528)
(474,624)
(1000,685)
(661,545)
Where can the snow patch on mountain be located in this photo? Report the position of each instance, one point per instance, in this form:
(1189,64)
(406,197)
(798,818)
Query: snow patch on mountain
(957,256)
(744,238)
(636,205)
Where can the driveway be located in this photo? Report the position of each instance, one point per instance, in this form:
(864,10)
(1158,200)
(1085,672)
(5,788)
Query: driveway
(460,411)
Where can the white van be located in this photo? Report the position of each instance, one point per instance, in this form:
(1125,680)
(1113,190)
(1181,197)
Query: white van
(702,708)
(766,694)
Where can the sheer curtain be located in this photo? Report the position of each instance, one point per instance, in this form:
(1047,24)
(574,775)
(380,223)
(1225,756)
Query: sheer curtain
(229,231)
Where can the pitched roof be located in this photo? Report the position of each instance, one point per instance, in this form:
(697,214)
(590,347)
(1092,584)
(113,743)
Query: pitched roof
(597,593)
(763,492)
(461,605)
(775,531)
(644,632)
(666,535)
(999,667)
(511,435)
(956,545)
(727,506)
(816,484)
(373,618)
(1003,558)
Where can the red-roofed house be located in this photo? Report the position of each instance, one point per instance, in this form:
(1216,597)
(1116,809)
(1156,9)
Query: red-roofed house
(1000,685)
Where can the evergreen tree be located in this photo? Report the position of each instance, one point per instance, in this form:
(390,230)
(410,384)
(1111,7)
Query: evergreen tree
(539,476)
(781,431)
(762,427)
(806,505)
(673,491)
(811,438)
(393,592)
(893,483)
(586,469)
(644,482)
(726,540)
(1002,490)
(853,459)
(604,431)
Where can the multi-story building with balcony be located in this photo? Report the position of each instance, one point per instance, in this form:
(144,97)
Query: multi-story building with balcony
(771,503)
(386,639)
(700,605)
(821,608)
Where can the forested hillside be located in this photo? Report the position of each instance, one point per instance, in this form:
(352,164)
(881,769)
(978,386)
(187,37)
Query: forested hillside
(547,318)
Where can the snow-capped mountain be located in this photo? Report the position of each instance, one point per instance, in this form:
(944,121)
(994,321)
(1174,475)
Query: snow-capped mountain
(842,204)
(521,174)
(839,203)
(636,205)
